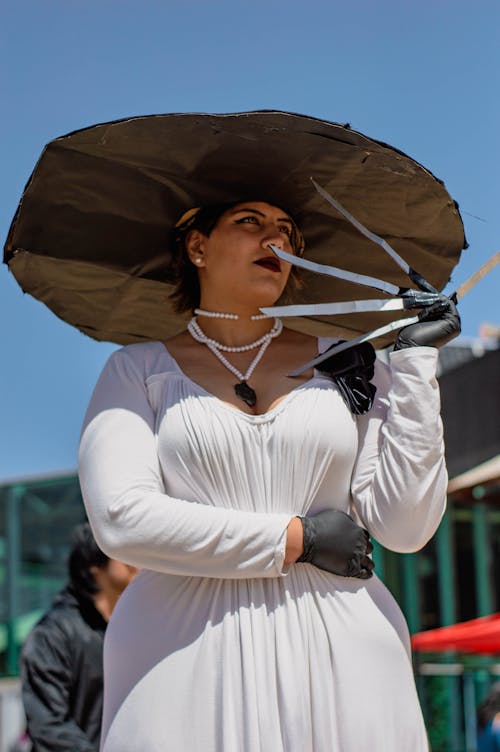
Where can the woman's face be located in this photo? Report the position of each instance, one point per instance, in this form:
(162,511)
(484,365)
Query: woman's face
(236,266)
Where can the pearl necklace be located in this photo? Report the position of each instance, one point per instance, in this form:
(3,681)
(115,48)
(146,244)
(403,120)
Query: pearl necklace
(242,389)
(234,316)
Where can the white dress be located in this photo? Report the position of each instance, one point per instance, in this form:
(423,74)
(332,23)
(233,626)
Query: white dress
(213,647)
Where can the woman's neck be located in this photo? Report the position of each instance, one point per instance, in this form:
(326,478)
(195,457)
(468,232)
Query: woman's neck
(233,332)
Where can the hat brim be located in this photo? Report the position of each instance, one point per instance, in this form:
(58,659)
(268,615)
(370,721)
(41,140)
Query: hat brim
(91,236)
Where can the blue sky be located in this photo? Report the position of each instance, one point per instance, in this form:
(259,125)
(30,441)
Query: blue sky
(423,76)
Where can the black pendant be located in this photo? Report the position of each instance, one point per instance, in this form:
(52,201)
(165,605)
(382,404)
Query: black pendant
(246,393)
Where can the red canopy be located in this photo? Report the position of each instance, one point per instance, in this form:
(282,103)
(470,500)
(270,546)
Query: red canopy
(476,636)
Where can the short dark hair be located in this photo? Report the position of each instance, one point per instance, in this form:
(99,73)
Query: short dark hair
(489,707)
(186,295)
(84,554)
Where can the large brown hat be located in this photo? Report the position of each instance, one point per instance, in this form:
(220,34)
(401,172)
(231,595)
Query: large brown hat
(91,236)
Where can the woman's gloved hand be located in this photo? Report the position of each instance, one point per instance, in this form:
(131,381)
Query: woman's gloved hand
(438,324)
(333,541)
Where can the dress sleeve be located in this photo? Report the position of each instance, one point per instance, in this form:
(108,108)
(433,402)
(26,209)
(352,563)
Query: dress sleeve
(132,517)
(400,479)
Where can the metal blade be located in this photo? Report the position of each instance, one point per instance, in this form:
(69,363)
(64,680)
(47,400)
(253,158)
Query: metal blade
(399,324)
(412,273)
(333,271)
(361,228)
(408,300)
(335,309)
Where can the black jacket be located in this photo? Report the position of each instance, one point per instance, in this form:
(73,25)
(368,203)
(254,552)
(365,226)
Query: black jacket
(61,674)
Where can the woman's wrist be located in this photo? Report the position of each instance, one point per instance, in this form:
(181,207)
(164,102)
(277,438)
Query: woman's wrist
(294,541)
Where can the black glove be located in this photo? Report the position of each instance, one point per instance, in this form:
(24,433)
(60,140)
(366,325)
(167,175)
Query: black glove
(437,324)
(333,541)
(352,370)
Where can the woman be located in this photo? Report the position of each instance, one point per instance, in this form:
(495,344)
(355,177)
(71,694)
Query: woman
(199,464)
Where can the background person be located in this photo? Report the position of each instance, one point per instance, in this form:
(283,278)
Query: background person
(488,721)
(61,660)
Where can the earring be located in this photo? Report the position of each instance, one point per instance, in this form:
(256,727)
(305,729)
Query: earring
(197,261)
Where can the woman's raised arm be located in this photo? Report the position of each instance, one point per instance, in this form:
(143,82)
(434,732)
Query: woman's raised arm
(400,479)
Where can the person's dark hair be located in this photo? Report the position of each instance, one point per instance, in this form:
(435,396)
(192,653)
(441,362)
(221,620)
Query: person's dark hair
(489,707)
(84,554)
(186,295)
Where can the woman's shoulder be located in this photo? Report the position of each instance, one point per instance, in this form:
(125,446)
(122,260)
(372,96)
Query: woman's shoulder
(146,357)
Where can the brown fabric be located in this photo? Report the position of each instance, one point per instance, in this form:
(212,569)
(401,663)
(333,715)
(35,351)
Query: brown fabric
(91,236)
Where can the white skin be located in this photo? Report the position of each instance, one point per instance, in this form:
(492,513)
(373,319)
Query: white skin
(235,278)
(111,579)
